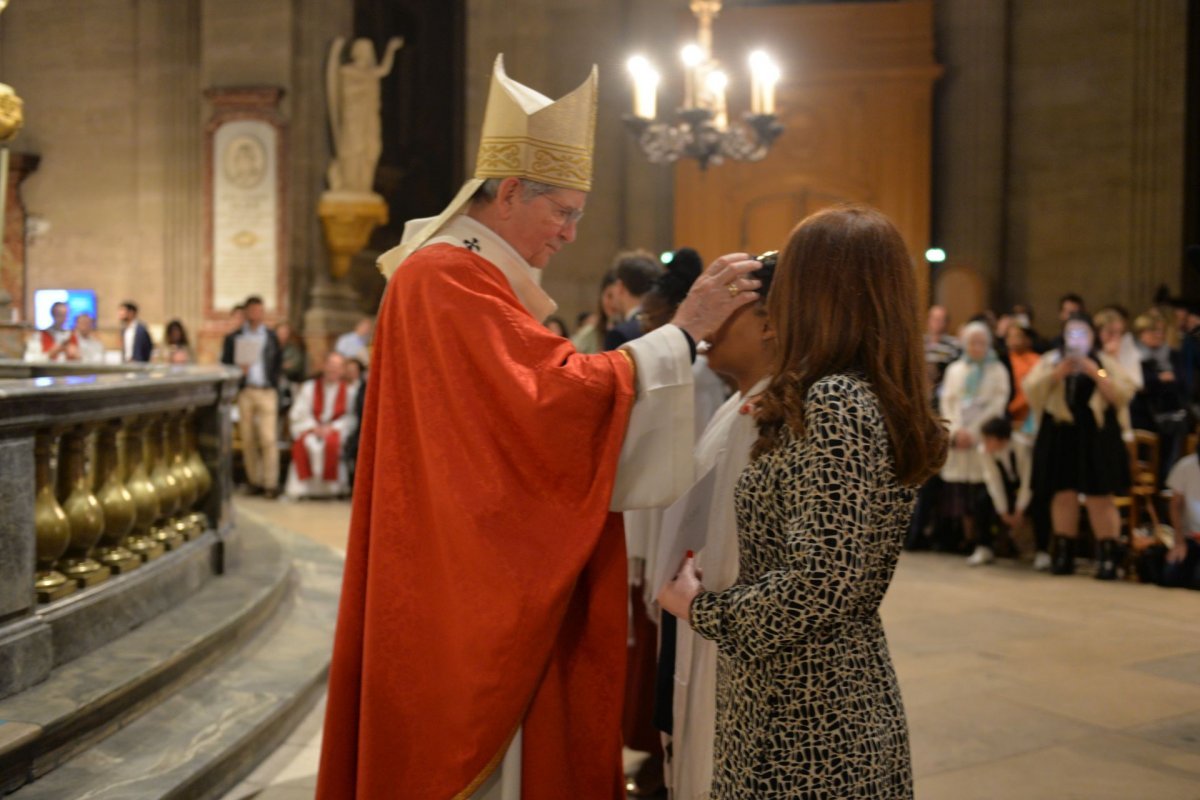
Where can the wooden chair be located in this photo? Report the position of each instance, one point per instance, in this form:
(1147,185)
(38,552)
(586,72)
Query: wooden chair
(1143,495)
(1143,469)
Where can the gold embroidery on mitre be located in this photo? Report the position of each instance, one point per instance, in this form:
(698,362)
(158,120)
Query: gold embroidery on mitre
(559,168)
(527,135)
(499,158)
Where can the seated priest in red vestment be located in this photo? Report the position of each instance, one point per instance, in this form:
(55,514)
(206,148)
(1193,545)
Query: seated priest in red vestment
(321,419)
(480,646)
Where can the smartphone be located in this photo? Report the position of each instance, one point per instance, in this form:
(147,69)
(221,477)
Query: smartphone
(1076,342)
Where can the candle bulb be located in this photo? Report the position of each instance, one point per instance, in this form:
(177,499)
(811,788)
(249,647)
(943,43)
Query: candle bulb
(717,83)
(650,96)
(645,87)
(759,65)
(770,79)
(692,57)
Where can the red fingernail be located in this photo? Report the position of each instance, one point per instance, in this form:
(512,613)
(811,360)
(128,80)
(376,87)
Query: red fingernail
(690,554)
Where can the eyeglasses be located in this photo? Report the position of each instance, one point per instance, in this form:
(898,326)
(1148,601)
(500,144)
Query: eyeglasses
(566,215)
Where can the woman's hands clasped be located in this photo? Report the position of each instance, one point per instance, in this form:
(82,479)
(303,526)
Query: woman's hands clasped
(678,593)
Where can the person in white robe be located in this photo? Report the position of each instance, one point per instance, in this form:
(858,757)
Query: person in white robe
(321,419)
(742,351)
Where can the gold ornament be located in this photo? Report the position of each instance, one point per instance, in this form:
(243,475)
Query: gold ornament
(12,113)
(145,500)
(50,523)
(119,509)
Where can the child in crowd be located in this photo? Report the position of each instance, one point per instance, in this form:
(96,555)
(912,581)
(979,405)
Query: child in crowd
(1007,459)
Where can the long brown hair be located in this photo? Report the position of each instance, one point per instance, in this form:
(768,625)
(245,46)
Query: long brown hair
(844,298)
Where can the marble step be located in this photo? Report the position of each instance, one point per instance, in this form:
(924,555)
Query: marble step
(99,694)
(203,740)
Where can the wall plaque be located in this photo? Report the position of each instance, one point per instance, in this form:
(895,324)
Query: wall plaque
(246,159)
(245,211)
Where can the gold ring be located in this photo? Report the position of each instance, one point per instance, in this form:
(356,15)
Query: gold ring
(733,289)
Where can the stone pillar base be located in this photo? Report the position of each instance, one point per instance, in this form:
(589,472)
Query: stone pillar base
(335,310)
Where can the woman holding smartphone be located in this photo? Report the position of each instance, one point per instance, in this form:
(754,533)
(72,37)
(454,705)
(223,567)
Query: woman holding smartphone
(807,701)
(1080,393)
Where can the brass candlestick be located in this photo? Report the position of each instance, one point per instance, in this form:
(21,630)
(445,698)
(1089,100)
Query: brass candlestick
(145,499)
(166,488)
(82,509)
(119,509)
(52,529)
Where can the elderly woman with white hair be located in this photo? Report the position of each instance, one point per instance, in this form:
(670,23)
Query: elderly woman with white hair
(976,389)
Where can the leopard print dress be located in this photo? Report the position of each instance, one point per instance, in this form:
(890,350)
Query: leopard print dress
(807,701)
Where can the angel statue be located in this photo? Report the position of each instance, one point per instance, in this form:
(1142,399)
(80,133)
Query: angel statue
(353,94)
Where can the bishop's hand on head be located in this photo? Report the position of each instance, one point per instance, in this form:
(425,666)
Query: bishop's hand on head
(722,289)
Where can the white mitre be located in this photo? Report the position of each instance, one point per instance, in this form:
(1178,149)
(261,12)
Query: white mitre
(525,135)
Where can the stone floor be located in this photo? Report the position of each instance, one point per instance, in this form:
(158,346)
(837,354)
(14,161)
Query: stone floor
(1017,685)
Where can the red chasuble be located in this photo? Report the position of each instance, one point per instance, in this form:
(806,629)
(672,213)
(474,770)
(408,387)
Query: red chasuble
(485,578)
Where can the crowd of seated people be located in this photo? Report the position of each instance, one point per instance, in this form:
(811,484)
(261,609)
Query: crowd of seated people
(1049,432)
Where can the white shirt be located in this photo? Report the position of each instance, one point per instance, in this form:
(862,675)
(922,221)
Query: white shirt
(91,349)
(1184,481)
(351,345)
(127,337)
(724,447)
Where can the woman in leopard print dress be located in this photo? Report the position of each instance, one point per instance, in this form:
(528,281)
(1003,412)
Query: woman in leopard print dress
(807,700)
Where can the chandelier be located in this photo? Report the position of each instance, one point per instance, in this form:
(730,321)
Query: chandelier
(702,130)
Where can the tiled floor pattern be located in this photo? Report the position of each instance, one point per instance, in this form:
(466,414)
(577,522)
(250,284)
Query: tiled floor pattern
(1018,686)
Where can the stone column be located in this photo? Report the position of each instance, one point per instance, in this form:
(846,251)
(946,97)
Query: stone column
(1157,152)
(169,148)
(332,307)
(971,139)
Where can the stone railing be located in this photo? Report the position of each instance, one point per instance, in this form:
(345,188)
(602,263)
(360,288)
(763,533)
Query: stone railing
(114,503)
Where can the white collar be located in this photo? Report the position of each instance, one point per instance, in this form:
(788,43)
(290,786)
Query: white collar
(471,234)
(757,388)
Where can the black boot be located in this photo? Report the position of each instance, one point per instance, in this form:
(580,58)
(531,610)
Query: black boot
(1106,560)
(1064,556)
